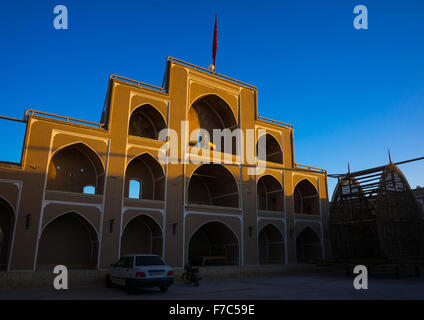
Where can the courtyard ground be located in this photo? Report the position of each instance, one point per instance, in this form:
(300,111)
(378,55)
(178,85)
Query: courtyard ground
(323,285)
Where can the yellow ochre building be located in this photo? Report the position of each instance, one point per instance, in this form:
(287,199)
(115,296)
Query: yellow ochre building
(86,193)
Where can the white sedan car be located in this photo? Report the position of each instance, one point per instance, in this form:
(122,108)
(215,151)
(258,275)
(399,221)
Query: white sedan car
(137,271)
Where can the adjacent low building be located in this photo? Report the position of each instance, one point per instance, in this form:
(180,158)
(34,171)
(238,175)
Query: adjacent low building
(419,195)
(86,193)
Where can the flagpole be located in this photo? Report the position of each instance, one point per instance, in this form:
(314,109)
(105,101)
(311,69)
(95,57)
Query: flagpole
(212,67)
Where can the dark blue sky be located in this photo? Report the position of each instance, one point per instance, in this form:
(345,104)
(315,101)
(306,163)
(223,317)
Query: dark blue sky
(350,94)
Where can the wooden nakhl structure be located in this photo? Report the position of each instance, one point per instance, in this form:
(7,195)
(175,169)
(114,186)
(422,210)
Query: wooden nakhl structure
(375,216)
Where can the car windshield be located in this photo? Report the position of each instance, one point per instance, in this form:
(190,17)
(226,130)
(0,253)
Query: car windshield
(148,261)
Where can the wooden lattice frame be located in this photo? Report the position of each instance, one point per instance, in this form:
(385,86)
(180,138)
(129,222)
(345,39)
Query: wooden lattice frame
(374,216)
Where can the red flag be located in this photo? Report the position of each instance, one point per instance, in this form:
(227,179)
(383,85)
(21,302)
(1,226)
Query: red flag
(215,43)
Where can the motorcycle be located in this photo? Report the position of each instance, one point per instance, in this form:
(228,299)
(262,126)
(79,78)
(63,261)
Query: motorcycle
(191,275)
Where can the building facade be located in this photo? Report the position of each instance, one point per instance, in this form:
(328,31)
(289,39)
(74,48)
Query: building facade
(86,193)
(419,195)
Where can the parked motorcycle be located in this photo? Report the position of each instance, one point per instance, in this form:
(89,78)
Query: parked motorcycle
(191,275)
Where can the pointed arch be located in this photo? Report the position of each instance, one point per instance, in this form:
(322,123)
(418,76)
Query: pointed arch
(148,171)
(306,198)
(74,167)
(273,150)
(271,248)
(270,194)
(69,239)
(146,121)
(308,246)
(211,112)
(215,185)
(141,235)
(214,243)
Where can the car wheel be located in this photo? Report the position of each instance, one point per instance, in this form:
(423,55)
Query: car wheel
(109,283)
(163,289)
(128,287)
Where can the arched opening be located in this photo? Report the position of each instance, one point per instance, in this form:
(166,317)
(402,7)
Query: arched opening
(7,219)
(146,121)
(68,240)
(214,243)
(268,149)
(306,198)
(145,173)
(142,235)
(308,246)
(134,189)
(213,185)
(212,112)
(89,190)
(73,168)
(271,245)
(270,194)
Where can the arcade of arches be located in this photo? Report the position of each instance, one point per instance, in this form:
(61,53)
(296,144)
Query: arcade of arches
(106,191)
